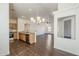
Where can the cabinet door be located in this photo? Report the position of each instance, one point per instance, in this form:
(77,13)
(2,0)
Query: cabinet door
(22,37)
(32,38)
(15,35)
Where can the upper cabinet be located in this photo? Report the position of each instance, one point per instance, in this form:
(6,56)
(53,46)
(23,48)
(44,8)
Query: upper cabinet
(13,24)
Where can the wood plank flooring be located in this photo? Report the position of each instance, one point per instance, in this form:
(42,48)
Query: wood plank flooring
(43,47)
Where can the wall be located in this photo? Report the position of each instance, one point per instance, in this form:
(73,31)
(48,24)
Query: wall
(38,28)
(21,23)
(52,24)
(71,46)
(64,6)
(60,29)
(4,29)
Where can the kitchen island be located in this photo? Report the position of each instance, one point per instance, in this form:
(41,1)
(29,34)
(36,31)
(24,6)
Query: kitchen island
(28,37)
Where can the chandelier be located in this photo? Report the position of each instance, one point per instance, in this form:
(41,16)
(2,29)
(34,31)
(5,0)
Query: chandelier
(37,20)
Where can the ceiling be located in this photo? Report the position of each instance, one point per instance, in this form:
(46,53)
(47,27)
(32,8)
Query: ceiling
(28,10)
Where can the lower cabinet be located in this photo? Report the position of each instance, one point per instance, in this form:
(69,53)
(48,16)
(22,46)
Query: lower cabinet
(32,38)
(22,37)
(27,37)
(15,35)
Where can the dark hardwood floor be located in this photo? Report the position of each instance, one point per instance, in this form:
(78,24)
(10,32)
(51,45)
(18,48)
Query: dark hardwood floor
(43,47)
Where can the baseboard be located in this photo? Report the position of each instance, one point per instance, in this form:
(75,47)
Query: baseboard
(66,51)
(6,54)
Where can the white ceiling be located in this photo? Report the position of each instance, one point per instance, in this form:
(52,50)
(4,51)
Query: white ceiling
(38,9)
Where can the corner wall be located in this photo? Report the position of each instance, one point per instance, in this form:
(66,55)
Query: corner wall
(4,28)
(71,45)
